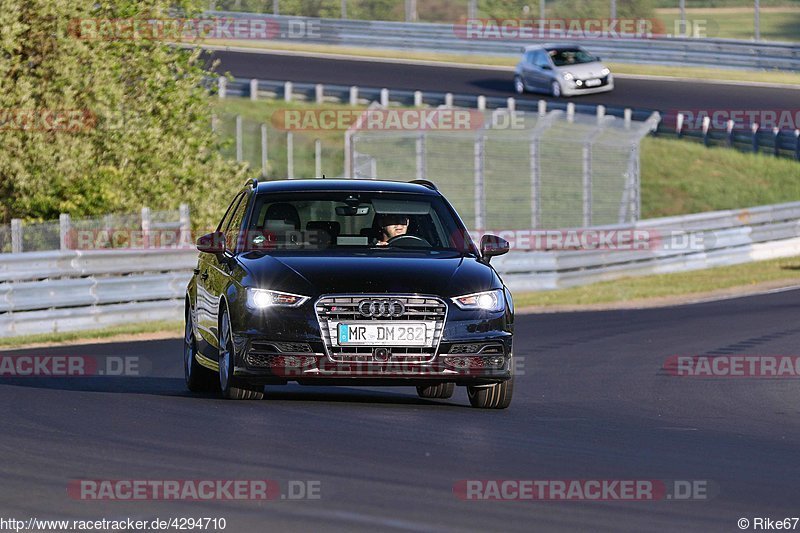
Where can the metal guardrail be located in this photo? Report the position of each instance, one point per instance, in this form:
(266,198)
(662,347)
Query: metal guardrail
(43,292)
(681,244)
(743,137)
(449,38)
(73,290)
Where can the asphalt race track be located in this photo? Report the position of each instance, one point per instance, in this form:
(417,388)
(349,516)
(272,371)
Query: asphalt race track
(593,402)
(647,94)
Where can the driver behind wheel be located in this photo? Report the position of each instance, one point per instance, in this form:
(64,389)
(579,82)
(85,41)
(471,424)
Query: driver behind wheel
(391,226)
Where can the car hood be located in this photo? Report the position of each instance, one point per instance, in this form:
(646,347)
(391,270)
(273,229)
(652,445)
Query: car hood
(584,70)
(442,274)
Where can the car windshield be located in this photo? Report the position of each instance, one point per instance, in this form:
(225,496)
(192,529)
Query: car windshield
(348,220)
(570,56)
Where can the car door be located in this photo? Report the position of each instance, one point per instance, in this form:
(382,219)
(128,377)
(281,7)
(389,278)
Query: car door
(544,70)
(222,266)
(528,69)
(207,297)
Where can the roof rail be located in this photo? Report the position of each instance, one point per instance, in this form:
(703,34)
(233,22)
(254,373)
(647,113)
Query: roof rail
(252,182)
(425,183)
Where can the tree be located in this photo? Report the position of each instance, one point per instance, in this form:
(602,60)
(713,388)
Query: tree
(144,137)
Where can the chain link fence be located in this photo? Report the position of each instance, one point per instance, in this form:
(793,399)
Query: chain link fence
(550,170)
(144,229)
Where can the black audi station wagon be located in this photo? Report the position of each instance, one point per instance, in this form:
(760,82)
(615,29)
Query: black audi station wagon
(348,282)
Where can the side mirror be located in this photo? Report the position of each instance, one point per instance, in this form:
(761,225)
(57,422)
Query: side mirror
(492,245)
(212,243)
(546,67)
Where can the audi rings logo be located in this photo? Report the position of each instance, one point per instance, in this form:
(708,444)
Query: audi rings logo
(381,308)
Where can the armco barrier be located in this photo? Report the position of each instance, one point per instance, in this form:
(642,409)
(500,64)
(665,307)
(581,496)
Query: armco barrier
(44,292)
(73,290)
(449,38)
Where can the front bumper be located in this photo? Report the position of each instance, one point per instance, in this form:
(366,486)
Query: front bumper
(572,88)
(286,345)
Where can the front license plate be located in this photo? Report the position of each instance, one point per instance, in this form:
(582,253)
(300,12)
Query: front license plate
(593,83)
(384,334)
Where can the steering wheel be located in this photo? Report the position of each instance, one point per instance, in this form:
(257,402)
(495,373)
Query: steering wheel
(408,240)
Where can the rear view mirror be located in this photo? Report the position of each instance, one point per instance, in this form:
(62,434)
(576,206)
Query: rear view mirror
(352,211)
(212,243)
(492,245)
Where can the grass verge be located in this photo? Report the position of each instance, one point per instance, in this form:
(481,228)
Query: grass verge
(144,329)
(760,76)
(650,289)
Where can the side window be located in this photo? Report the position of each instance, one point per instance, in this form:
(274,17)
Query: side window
(541,59)
(223,224)
(235,224)
(530,57)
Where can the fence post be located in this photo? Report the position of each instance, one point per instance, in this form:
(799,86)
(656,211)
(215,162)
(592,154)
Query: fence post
(679,125)
(797,145)
(239,138)
(64,224)
(254,89)
(511,104)
(448,99)
(214,122)
(628,114)
(16,236)
(420,156)
(535,181)
(601,113)
(319,93)
(754,129)
(542,107)
(287,91)
(146,227)
(354,95)
(706,126)
(481,103)
(222,85)
(290,155)
(264,154)
(185,240)
(318,158)
(776,141)
(480,156)
(570,112)
(417,98)
(587,184)
(385,97)
(731,137)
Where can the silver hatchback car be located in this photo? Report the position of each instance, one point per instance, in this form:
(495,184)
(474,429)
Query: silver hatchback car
(561,70)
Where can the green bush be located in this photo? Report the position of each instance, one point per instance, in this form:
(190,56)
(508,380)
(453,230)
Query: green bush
(147,140)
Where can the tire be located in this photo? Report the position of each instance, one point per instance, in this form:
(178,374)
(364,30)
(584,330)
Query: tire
(519,85)
(228,385)
(555,89)
(440,390)
(198,378)
(493,397)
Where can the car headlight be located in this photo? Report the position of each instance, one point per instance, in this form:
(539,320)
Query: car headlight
(263,298)
(568,76)
(485,301)
(605,72)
